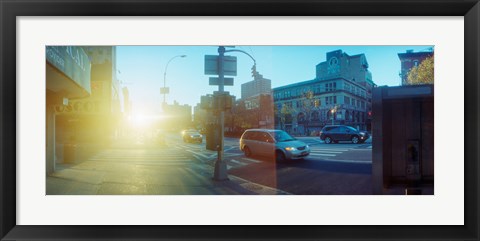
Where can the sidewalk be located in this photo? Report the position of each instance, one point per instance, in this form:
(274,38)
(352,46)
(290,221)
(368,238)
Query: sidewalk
(123,177)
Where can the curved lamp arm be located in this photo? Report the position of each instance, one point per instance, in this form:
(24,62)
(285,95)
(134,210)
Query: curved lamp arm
(165,72)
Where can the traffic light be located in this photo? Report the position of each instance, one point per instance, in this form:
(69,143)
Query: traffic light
(222,101)
(206,102)
(254,70)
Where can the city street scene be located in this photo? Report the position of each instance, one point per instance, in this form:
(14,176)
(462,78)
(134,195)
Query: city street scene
(239,120)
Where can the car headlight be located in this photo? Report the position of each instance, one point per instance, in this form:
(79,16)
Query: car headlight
(290,148)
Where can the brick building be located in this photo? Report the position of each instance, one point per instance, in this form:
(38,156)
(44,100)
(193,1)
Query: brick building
(339,94)
(410,59)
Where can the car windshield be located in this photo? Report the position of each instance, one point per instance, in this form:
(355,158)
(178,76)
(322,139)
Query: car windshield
(281,136)
(351,128)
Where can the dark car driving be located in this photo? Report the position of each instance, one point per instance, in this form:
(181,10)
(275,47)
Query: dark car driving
(192,136)
(336,133)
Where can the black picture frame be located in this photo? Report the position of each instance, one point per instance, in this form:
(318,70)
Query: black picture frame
(10,9)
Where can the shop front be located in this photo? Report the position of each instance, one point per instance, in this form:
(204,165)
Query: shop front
(67,78)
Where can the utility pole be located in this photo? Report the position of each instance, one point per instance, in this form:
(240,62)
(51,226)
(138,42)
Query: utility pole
(220,172)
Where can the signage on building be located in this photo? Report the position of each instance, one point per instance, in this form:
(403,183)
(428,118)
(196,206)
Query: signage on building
(97,103)
(73,62)
(80,107)
(229,65)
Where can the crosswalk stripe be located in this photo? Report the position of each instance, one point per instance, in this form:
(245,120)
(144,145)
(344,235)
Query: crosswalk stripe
(252,160)
(330,149)
(326,152)
(141,156)
(318,154)
(348,161)
(196,153)
(240,163)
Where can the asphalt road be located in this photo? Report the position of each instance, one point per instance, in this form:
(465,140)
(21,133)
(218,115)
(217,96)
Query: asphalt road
(339,169)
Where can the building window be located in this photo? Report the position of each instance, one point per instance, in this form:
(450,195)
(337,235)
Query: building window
(334,99)
(347,100)
(334,85)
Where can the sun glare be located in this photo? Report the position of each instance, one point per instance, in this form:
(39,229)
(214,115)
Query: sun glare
(143,121)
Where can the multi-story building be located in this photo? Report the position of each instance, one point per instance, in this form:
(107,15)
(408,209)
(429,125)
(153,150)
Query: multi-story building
(97,117)
(68,76)
(177,116)
(339,94)
(252,112)
(411,59)
(257,86)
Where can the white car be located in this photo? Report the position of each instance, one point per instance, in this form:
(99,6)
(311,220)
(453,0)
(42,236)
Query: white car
(276,143)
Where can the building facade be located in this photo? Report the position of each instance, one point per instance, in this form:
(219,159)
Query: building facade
(340,93)
(68,74)
(87,123)
(257,86)
(411,59)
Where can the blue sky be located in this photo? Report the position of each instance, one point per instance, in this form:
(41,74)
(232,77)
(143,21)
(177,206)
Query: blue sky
(142,67)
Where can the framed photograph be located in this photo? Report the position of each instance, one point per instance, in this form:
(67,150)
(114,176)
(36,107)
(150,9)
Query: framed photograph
(272,120)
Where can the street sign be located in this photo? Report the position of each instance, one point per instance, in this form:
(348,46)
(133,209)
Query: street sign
(164,90)
(216,81)
(229,65)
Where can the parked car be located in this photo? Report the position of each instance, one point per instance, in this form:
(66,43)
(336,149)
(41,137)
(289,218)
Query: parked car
(272,143)
(336,133)
(192,136)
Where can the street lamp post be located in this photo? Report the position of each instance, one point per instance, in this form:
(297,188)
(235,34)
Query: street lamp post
(220,171)
(164,90)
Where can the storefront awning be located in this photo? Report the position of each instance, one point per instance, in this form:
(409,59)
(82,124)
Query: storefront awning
(68,71)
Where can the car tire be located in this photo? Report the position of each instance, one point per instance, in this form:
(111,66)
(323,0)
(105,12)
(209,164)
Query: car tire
(279,156)
(328,140)
(355,140)
(247,151)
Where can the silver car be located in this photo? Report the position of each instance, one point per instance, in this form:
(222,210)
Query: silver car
(276,143)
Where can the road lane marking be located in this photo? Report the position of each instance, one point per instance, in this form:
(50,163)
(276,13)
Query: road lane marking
(262,189)
(196,153)
(347,161)
(252,160)
(330,149)
(318,154)
(238,162)
(326,152)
